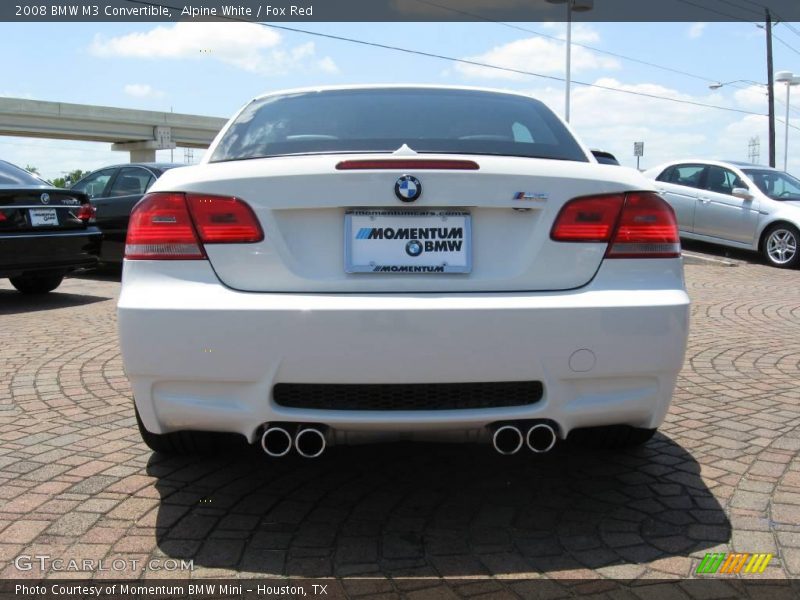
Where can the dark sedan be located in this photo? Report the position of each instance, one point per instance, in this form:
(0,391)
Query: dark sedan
(45,231)
(114,192)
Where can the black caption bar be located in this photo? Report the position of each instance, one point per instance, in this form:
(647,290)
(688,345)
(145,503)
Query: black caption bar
(369,586)
(397,10)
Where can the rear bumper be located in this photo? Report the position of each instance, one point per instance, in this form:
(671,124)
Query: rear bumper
(202,356)
(48,251)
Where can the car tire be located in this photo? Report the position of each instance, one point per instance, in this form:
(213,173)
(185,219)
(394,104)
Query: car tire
(36,283)
(781,246)
(188,442)
(612,437)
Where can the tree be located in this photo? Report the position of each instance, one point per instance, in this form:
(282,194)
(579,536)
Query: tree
(31,169)
(70,178)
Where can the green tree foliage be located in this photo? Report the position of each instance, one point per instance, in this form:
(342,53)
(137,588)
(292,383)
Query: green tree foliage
(70,178)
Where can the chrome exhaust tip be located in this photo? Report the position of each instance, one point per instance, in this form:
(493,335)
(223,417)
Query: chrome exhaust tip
(507,440)
(310,442)
(276,442)
(541,438)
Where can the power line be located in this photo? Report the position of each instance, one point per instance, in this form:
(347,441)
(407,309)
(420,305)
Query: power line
(552,37)
(790,27)
(715,11)
(744,8)
(793,49)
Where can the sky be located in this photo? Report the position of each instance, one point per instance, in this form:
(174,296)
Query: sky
(214,68)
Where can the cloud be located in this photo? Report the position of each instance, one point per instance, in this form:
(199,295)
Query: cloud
(327,65)
(696,30)
(247,46)
(537,55)
(753,97)
(670,130)
(142,90)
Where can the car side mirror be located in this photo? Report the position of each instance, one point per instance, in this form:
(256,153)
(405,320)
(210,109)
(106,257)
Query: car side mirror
(742,193)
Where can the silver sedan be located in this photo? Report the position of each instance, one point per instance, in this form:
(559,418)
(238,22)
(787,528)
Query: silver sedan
(735,204)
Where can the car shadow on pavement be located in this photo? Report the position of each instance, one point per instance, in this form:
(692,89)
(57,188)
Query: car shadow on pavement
(12,302)
(438,510)
(101,273)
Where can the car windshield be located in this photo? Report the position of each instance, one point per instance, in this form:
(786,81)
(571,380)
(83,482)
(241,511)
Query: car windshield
(383,120)
(778,185)
(13,175)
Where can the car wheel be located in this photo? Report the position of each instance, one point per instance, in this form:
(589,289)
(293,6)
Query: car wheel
(780,246)
(188,442)
(36,284)
(610,437)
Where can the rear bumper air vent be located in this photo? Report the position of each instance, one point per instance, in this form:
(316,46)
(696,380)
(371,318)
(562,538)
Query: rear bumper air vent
(408,396)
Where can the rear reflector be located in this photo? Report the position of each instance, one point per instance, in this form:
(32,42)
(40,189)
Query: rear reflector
(173,226)
(410,164)
(635,225)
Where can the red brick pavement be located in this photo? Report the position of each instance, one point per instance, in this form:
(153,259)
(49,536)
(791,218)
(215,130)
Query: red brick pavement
(723,474)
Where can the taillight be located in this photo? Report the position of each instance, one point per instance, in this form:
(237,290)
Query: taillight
(647,229)
(160,228)
(588,219)
(171,225)
(86,212)
(223,220)
(635,225)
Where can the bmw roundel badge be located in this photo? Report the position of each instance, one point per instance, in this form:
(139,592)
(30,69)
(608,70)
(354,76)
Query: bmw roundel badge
(408,188)
(414,248)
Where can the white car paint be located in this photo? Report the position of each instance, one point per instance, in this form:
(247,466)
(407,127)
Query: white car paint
(204,341)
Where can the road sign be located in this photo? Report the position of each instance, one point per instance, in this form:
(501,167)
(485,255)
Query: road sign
(638,148)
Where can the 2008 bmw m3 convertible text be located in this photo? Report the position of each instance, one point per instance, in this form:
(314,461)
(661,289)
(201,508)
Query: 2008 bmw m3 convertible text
(401,262)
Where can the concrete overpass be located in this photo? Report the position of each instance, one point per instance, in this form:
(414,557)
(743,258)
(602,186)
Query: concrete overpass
(140,132)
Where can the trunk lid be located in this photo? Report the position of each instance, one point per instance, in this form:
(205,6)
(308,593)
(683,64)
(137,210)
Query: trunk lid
(302,203)
(26,210)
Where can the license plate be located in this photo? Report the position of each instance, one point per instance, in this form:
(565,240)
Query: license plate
(405,241)
(43,216)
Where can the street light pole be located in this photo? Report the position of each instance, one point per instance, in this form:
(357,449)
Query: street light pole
(576,6)
(569,60)
(789,79)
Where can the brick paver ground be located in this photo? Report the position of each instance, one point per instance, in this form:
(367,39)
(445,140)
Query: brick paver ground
(76,482)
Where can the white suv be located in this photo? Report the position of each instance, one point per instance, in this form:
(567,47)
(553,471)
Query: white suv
(401,262)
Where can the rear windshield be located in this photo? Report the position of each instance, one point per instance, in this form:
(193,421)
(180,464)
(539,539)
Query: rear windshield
(382,120)
(11,175)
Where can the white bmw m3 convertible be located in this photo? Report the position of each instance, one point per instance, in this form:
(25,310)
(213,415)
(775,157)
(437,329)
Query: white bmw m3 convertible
(375,263)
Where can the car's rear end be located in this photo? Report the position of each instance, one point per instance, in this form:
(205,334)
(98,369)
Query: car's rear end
(401,262)
(45,232)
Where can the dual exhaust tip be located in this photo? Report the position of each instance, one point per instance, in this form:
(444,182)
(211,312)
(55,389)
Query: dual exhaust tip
(509,439)
(308,441)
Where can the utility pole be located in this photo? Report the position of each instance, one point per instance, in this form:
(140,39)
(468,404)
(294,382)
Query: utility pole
(770,89)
